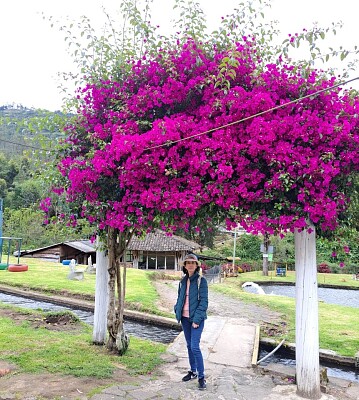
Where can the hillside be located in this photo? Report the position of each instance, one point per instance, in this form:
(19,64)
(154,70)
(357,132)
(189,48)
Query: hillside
(21,126)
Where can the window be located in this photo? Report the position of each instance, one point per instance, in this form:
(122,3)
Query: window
(170,261)
(161,261)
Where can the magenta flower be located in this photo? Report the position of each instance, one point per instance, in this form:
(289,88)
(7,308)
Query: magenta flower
(138,156)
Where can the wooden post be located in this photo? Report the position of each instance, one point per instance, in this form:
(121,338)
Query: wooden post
(307,327)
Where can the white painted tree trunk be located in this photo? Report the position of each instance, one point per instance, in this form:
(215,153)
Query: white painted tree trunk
(307,327)
(101,297)
(265,253)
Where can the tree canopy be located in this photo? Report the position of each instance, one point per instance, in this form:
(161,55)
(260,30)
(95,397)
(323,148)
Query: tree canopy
(197,132)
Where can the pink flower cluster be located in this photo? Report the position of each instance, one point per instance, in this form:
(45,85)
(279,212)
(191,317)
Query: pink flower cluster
(134,158)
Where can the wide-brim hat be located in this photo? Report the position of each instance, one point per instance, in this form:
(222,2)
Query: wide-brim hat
(190,257)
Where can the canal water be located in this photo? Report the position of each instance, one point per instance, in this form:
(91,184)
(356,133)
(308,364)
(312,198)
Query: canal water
(333,370)
(342,297)
(138,329)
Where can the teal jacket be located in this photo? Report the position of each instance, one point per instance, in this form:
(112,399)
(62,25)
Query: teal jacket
(198,298)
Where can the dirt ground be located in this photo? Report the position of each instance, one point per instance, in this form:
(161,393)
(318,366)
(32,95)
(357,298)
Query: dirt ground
(21,386)
(50,386)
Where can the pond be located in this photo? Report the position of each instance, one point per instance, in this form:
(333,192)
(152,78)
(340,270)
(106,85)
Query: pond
(138,329)
(342,297)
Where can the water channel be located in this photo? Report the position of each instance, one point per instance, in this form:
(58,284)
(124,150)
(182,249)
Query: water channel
(282,357)
(135,328)
(342,297)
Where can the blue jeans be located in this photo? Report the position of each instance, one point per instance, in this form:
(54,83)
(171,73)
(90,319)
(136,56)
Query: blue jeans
(193,338)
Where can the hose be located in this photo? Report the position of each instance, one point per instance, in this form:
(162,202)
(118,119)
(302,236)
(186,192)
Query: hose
(272,352)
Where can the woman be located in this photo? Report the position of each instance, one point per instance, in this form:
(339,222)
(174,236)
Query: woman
(191,311)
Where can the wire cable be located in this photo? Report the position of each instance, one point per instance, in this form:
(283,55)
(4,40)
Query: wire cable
(20,144)
(251,116)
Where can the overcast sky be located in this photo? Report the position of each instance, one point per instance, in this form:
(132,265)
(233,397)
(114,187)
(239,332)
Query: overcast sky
(32,53)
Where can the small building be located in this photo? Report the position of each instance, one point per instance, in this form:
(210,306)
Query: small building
(154,251)
(80,250)
(159,251)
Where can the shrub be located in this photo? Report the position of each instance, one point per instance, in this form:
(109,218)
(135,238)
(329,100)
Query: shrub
(324,268)
(245,267)
(336,269)
(204,266)
(350,269)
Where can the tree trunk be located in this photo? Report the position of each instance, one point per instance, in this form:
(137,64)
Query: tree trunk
(265,254)
(117,241)
(307,329)
(122,340)
(101,295)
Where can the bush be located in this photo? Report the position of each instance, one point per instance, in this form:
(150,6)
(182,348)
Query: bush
(350,269)
(290,266)
(245,267)
(248,247)
(323,268)
(204,266)
(336,269)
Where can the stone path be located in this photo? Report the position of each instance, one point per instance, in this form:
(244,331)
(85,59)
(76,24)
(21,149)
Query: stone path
(227,345)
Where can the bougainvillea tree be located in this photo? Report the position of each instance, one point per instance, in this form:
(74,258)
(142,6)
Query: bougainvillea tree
(196,133)
(171,142)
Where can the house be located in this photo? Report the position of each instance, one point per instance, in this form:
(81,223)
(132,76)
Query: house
(157,250)
(80,250)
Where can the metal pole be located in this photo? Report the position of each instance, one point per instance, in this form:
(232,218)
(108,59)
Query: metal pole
(234,247)
(19,250)
(8,252)
(1,222)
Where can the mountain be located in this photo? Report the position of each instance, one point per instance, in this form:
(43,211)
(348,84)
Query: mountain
(20,127)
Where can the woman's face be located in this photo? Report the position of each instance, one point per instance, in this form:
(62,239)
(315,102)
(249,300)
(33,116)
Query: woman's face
(190,267)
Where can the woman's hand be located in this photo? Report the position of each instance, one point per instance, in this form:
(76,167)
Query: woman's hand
(194,325)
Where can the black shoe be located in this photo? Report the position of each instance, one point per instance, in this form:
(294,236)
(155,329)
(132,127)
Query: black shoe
(202,384)
(189,376)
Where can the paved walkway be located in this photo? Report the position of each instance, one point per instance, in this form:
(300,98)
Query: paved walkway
(227,346)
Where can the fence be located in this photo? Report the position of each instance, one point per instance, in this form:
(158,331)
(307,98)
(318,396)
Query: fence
(213,275)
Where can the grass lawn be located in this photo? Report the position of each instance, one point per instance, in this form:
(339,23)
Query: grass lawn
(40,350)
(337,324)
(35,348)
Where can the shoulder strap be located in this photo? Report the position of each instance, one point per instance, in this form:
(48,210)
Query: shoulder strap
(198,284)
(181,282)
